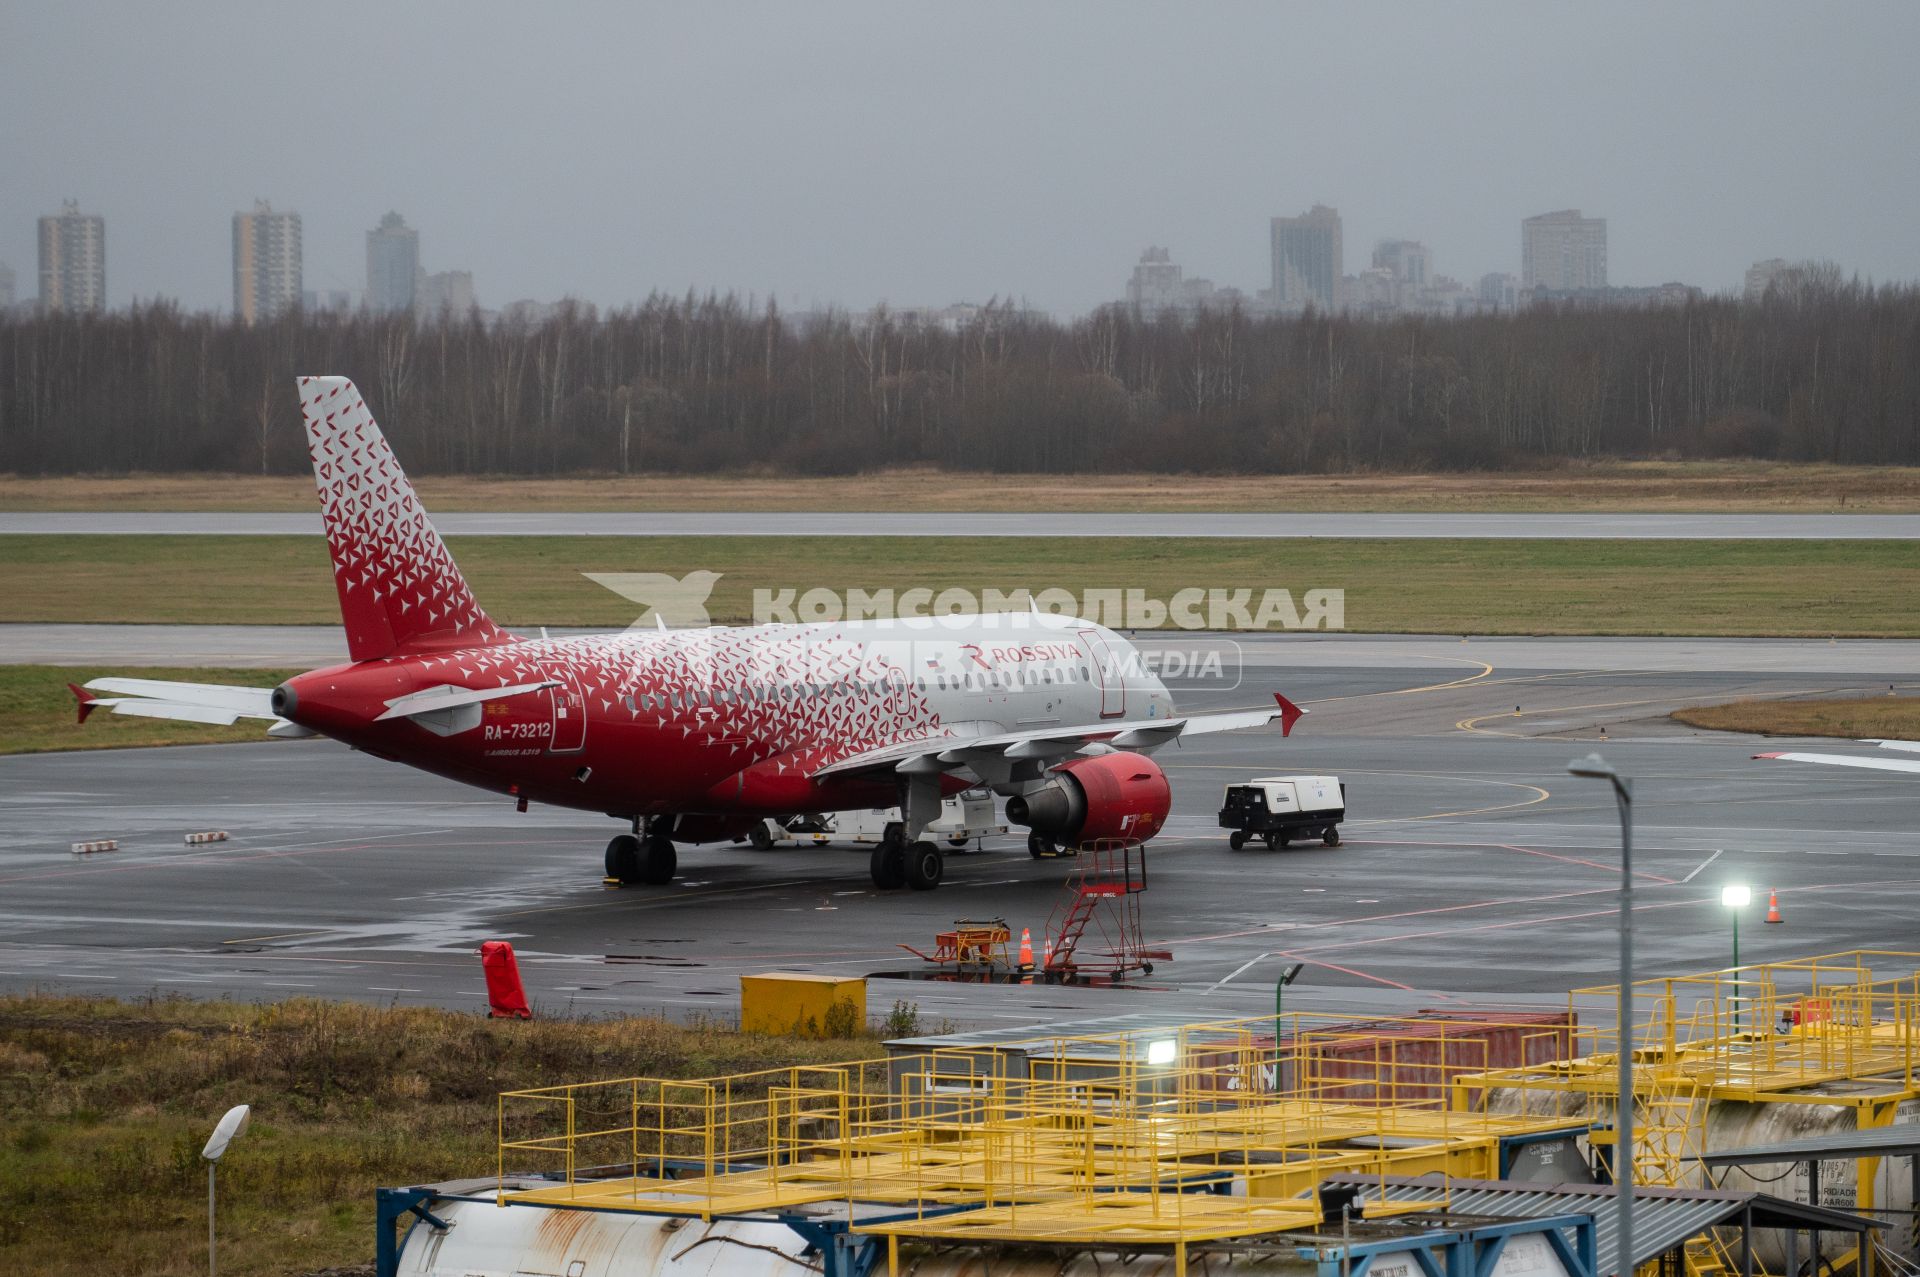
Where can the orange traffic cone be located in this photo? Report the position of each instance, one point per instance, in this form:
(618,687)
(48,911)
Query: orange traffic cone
(1773,907)
(1046,954)
(1026,950)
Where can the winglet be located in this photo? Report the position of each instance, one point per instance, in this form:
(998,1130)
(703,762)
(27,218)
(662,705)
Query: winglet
(1289,714)
(1766,755)
(88,702)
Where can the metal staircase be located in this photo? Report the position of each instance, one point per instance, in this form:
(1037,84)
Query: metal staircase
(1102,896)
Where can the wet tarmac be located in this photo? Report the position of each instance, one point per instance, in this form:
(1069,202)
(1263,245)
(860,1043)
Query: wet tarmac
(1473,868)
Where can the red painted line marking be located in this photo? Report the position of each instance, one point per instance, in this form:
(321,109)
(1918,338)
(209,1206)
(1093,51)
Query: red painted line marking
(1405,913)
(1576,860)
(1334,966)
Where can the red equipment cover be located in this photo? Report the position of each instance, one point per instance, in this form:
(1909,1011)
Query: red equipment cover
(506,1000)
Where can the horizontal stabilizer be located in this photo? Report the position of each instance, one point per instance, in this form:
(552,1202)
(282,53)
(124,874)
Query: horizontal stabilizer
(245,702)
(215,703)
(151,707)
(447,696)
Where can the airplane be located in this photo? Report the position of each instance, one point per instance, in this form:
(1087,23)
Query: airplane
(695,735)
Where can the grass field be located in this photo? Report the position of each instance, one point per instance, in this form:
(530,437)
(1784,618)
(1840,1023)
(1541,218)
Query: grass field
(1619,486)
(1865,718)
(104,1106)
(1820,588)
(37,710)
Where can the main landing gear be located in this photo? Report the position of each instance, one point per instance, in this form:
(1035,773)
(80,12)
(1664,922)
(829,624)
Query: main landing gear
(898,863)
(642,858)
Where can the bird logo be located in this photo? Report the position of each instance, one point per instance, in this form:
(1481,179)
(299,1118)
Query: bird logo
(665,601)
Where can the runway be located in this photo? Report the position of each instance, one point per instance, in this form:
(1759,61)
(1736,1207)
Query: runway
(1475,869)
(1579,526)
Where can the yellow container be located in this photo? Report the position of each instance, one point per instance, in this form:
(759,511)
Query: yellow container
(808,1006)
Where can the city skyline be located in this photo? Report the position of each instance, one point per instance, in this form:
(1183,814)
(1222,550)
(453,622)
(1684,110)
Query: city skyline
(851,153)
(1562,253)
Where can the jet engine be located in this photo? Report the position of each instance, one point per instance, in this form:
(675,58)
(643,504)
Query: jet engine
(1118,795)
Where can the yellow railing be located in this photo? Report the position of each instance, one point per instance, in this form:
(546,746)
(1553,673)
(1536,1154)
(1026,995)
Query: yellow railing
(1054,1118)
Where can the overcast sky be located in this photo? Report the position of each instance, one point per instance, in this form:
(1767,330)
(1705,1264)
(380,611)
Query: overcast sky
(923,154)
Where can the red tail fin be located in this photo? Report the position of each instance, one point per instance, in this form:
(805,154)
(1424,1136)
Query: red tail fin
(87,702)
(399,589)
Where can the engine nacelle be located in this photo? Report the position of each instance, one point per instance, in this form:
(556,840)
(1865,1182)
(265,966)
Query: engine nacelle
(1116,795)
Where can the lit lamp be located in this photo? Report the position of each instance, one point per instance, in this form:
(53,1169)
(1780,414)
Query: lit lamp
(1734,897)
(1161,1052)
(231,1127)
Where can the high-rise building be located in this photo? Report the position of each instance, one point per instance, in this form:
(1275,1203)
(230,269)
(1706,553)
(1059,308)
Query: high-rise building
(1408,260)
(393,263)
(266,263)
(73,260)
(1156,282)
(448,292)
(317,301)
(1761,276)
(1308,260)
(1500,291)
(7,282)
(1563,251)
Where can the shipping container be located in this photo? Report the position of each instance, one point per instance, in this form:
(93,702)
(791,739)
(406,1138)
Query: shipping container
(1405,1061)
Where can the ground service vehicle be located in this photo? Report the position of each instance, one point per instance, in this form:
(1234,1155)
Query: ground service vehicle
(1282,808)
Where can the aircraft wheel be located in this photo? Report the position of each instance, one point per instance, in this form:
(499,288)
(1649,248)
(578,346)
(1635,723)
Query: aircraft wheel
(1237,839)
(958,844)
(925,866)
(888,865)
(658,861)
(623,858)
(1332,837)
(760,838)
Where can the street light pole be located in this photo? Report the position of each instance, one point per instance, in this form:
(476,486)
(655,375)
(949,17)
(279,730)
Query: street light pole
(230,1128)
(1288,974)
(1737,896)
(1596,767)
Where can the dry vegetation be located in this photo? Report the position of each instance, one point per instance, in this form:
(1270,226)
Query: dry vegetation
(104,1106)
(1865,718)
(1613,487)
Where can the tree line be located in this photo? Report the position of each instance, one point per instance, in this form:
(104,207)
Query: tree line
(1827,370)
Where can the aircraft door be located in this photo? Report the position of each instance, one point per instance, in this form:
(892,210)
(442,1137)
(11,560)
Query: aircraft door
(569,719)
(1107,674)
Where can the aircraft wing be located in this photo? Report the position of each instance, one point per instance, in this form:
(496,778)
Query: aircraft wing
(1861,760)
(994,752)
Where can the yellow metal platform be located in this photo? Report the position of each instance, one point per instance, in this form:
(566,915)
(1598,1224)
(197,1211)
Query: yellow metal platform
(1119,1139)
